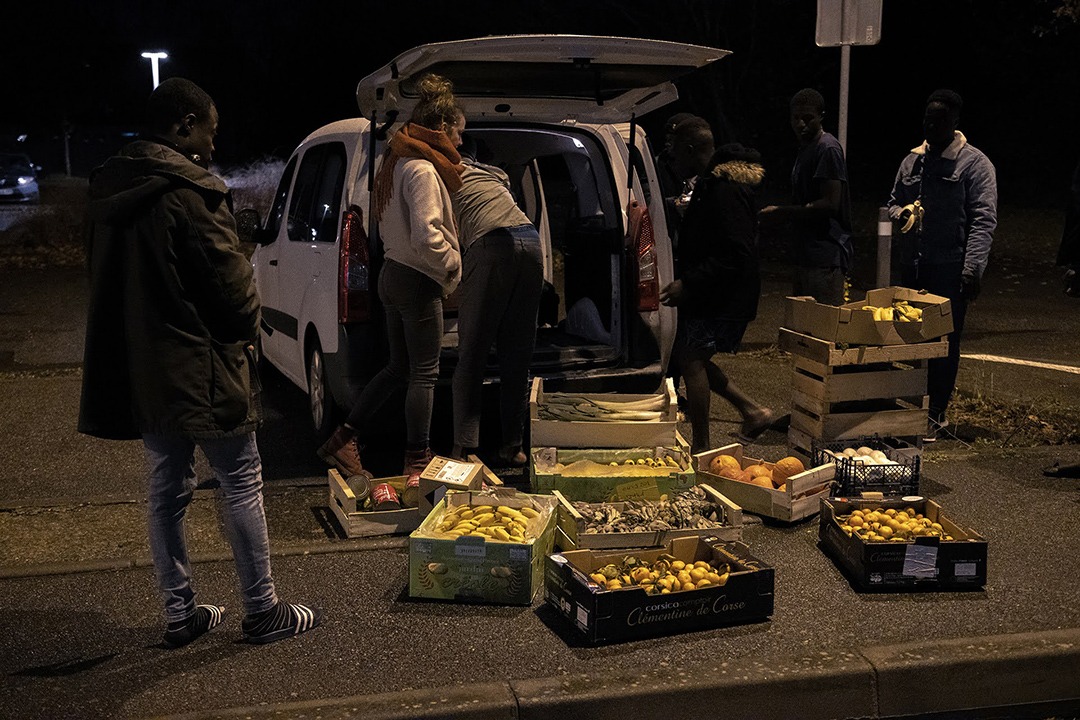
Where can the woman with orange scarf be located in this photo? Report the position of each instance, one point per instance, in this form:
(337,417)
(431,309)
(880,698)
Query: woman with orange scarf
(419,171)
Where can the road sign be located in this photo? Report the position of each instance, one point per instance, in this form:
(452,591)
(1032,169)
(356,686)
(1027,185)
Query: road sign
(848,22)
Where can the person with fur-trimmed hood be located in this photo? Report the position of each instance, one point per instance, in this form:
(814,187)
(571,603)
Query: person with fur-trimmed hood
(718,286)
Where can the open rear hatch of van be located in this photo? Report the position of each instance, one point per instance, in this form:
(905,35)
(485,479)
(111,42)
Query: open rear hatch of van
(528,97)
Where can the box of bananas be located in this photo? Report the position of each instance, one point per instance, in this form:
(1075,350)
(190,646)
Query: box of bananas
(613,474)
(482,546)
(691,583)
(886,316)
(604,420)
(701,510)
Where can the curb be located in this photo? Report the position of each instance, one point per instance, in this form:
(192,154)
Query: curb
(922,678)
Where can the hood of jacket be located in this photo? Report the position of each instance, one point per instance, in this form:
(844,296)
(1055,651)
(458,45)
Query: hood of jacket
(139,174)
(740,171)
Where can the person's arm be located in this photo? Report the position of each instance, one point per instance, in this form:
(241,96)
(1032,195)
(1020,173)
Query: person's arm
(826,206)
(982,217)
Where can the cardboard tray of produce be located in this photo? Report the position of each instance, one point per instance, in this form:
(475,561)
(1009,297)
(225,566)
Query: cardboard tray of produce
(471,568)
(612,474)
(570,429)
(799,498)
(851,324)
(718,516)
(598,615)
(357,522)
(954,560)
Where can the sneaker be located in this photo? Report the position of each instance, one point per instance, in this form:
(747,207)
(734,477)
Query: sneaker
(512,457)
(282,621)
(342,451)
(935,430)
(203,620)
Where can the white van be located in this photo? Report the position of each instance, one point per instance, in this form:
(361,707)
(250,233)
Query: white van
(558,113)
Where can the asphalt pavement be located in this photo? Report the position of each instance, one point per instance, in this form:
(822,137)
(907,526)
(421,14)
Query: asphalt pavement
(80,618)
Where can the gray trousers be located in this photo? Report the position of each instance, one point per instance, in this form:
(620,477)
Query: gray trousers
(502,280)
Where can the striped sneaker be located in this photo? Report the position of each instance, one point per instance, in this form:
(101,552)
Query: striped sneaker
(282,621)
(203,620)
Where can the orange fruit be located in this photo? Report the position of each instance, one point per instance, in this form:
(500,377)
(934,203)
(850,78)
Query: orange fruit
(786,467)
(759,471)
(723,462)
(763,481)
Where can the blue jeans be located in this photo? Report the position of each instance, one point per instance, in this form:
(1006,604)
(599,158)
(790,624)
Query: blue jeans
(501,283)
(414,328)
(238,468)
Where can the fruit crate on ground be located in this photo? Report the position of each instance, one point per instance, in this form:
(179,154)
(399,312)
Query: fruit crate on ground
(480,565)
(843,392)
(871,464)
(602,420)
(856,323)
(742,591)
(357,522)
(618,473)
(953,559)
(796,498)
(699,511)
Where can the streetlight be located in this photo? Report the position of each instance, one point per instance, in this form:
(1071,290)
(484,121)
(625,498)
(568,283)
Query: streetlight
(154,57)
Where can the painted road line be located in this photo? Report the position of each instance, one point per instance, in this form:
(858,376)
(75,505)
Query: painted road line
(1028,363)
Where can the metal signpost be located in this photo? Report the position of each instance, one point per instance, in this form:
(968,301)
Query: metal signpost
(845,23)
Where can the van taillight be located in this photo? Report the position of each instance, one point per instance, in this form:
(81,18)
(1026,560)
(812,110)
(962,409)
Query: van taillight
(644,247)
(354,292)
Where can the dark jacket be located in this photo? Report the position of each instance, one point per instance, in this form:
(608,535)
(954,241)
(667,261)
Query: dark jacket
(718,247)
(1069,252)
(172,305)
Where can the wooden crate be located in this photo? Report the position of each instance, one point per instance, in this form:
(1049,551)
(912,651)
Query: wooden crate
(846,392)
(366,523)
(583,434)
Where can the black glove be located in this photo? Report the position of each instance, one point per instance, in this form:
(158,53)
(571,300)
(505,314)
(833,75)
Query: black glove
(1072,281)
(969,287)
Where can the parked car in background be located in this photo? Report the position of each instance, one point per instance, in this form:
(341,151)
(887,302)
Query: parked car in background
(558,114)
(18,179)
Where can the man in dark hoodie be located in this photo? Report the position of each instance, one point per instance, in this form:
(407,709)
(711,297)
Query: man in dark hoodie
(169,355)
(718,286)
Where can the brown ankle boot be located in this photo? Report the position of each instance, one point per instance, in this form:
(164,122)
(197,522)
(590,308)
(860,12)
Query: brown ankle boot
(416,461)
(342,452)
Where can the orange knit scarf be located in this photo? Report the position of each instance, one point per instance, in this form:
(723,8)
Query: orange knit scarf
(417,141)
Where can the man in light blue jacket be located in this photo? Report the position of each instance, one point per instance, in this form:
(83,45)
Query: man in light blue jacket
(956,189)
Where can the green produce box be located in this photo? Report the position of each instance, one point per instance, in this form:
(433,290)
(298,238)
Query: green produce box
(587,475)
(478,569)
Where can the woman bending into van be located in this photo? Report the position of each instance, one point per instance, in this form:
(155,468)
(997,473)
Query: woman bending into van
(718,287)
(411,196)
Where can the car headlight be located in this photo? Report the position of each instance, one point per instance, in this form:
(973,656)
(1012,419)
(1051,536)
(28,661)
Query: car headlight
(25,180)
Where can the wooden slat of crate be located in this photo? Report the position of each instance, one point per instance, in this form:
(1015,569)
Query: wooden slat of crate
(827,353)
(877,381)
(900,422)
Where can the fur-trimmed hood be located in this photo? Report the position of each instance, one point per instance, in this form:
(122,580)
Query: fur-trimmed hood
(740,171)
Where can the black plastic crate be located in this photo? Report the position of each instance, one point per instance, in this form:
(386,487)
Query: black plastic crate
(854,477)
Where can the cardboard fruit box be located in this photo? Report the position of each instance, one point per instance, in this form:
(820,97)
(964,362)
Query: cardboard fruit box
(573,532)
(477,569)
(800,498)
(598,615)
(546,429)
(602,475)
(357,522)
(932,563)
(851,324)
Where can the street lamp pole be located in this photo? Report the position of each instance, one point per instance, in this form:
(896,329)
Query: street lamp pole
(154,57)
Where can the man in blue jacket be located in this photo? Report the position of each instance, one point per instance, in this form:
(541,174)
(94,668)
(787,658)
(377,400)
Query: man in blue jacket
(956,187)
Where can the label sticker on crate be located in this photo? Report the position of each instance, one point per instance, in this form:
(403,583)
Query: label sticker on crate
(965,570)
(472,550)
(920,561)
(644,489)
(519,554)
(582,616)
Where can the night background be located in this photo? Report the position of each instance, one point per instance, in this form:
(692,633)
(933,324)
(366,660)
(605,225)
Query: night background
(280,69)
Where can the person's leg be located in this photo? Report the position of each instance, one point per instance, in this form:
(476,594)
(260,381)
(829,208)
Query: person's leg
(944,280)
(481,306)
(698,399)
(238,467)
(516,341)
(825,284)
(756,418)
(171,484)
(419,300)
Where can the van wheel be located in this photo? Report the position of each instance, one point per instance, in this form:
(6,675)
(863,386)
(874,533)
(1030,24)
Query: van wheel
(320,401)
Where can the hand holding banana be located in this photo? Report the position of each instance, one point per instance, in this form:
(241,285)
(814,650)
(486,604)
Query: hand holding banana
(911,215)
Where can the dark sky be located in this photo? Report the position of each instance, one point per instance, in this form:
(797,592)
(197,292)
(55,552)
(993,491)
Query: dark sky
(279,69)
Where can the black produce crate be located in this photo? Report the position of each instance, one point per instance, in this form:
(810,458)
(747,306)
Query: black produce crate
(853,478)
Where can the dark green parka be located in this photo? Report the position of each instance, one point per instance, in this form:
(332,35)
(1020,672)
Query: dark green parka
(173,311)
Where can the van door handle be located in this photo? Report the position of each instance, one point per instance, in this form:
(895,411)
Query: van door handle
(273,262)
